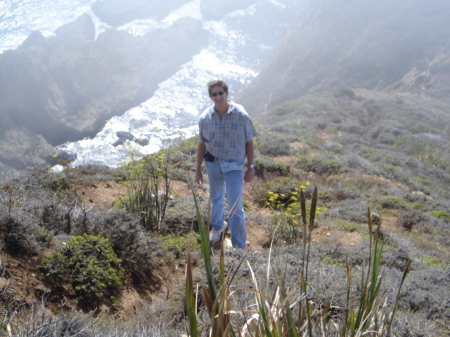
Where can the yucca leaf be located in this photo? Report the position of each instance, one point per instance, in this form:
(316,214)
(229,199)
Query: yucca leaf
(205,248)
(309,311)
(405,273)
(190,300)
(312,213)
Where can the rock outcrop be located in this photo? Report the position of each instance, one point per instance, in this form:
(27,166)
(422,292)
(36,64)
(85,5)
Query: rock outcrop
(64,87)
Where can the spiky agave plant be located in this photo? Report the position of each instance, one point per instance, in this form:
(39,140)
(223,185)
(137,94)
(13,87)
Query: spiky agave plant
(370,315)
(273,311)
(217,297)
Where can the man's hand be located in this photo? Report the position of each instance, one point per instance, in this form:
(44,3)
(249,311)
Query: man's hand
(201,150)
(199,177)
(250,154)
(249,174)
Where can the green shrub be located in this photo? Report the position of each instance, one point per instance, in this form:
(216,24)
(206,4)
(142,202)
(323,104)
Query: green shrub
(22,217)
(89,264)
(273,145)
(320,165)
(409,218)
(391,202)
(283,195)
(187,146)
(90,174)
(337,149)
(327,259)
(264,166)
(441,215)
(148,188)
(246,205)
(347,226)
(332,166)
(417,205)
(429,152)
(283,187)
(391,171)
(433,262)
(432,155)
(310,164)
(362,184)
(179,244)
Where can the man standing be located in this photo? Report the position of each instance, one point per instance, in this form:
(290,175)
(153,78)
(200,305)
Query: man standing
(226,140)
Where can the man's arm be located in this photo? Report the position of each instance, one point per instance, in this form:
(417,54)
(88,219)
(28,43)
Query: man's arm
(201,150)
(250,154)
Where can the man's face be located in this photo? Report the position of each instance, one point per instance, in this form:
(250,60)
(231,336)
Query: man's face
(219,96)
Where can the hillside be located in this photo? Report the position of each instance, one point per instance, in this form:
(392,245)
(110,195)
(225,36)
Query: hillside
(353,102)
(400,46)
(404,137)
(42,211)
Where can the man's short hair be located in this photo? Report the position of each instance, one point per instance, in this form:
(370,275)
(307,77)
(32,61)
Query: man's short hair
(217,83)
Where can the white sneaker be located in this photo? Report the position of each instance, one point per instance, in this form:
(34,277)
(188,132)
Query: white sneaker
(216,235)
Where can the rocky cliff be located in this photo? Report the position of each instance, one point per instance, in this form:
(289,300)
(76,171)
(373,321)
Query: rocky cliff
(65,87)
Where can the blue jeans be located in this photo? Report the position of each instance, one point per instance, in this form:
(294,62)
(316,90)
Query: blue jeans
(233,182)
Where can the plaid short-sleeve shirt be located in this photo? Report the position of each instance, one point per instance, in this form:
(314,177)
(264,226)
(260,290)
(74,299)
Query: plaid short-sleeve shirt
(226,138)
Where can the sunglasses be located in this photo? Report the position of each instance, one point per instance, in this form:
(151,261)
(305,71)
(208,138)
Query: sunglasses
(220,93)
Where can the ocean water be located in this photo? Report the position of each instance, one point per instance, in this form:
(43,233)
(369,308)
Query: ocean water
(18,18)
(171,113)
